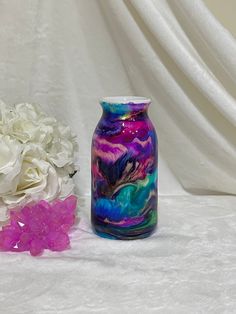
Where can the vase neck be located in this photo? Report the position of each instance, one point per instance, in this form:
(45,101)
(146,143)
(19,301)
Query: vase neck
(125,107)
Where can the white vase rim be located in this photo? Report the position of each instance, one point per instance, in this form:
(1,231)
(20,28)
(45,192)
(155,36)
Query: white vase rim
(125,100)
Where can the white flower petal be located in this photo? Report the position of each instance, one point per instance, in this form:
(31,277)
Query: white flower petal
(4,215)
(37,154)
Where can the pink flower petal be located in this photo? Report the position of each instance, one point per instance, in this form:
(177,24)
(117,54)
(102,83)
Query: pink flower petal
(39,226)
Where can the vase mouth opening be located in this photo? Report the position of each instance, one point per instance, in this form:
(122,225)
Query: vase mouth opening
(114,100)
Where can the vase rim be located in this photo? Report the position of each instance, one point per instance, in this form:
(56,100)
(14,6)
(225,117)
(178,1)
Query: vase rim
(125,100)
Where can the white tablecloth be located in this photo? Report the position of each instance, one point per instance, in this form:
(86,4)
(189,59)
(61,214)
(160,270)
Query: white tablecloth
(187,266)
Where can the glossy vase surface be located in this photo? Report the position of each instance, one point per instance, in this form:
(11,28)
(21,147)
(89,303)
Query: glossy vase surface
(124,170)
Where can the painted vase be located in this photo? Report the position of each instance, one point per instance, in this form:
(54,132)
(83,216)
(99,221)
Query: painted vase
(124,170)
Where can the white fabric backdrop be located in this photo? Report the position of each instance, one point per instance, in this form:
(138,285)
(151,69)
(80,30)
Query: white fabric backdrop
(62,56)
(65,55)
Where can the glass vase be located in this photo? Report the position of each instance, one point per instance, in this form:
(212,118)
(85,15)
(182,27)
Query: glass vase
(124,170)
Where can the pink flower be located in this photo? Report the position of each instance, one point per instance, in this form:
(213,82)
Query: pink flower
(39,226)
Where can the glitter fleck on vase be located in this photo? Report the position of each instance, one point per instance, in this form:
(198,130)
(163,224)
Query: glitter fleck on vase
(124,170)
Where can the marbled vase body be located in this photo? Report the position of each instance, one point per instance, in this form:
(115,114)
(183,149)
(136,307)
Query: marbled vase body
(124,170)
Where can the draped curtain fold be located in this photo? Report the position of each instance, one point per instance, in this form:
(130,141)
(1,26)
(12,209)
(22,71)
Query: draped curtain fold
(177,52)
(66,54)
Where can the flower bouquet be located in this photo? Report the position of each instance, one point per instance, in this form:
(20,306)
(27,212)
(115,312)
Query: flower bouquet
(37,160)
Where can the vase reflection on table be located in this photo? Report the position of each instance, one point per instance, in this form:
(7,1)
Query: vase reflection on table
(124,170)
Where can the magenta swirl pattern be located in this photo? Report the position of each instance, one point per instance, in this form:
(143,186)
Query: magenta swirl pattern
(124,172)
